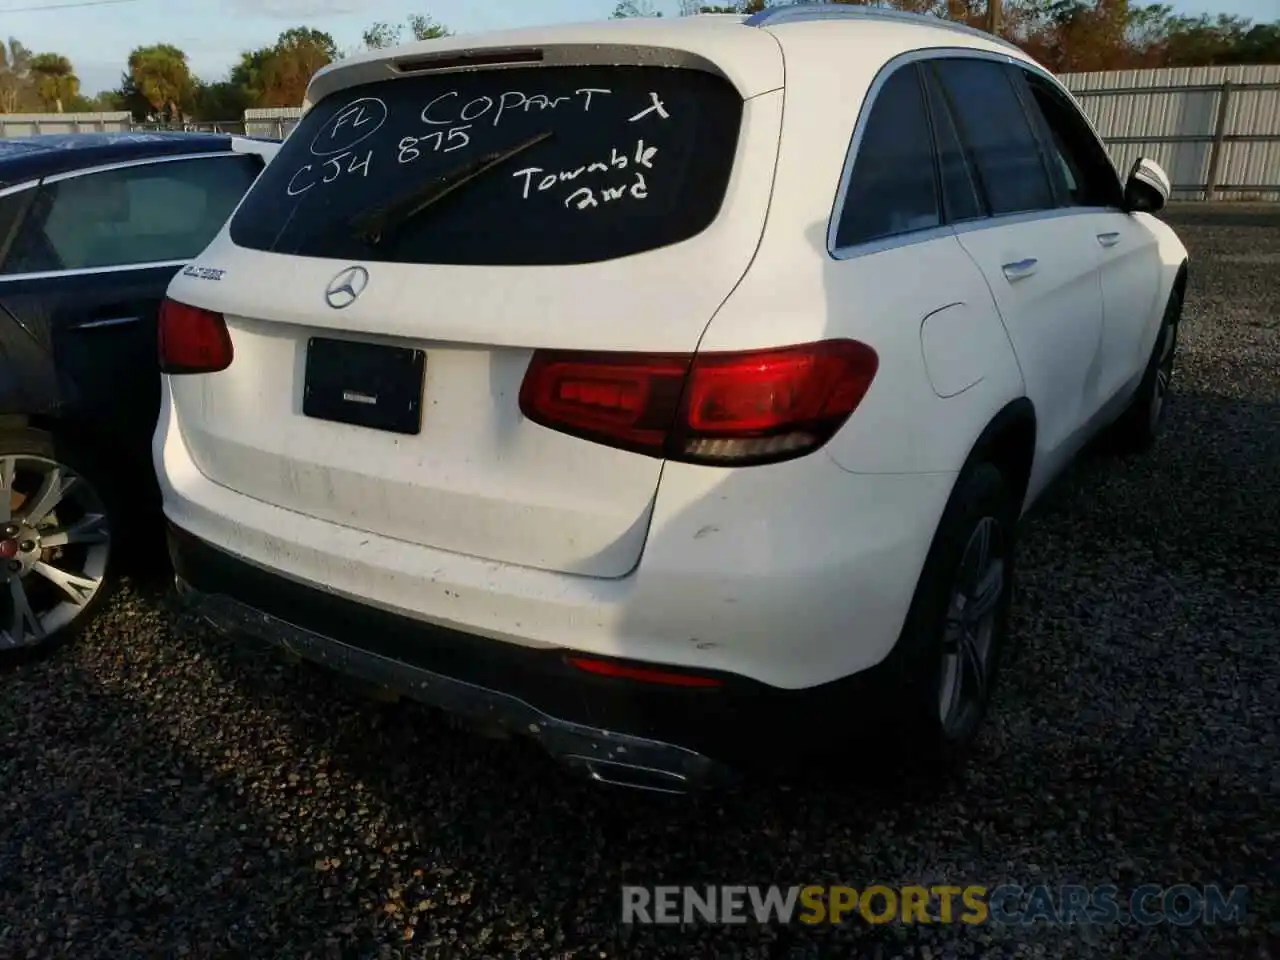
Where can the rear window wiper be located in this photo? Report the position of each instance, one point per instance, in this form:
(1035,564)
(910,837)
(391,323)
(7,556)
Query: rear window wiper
(373,226)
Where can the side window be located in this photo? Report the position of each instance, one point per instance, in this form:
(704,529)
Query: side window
(1086,175)
(149,213)
(892,187)
(960,195)
(13,207)
(997,133)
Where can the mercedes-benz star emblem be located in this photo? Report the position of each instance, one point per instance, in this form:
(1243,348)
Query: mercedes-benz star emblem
(346,287)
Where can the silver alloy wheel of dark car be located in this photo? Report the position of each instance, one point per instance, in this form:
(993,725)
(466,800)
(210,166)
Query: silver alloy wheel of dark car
(55,546)
(972,613)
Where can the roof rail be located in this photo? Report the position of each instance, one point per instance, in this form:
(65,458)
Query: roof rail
(800,12)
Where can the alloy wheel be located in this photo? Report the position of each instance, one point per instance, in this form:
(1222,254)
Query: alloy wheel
(969,633)
(55,545)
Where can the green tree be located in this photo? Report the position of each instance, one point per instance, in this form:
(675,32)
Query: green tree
(55,80)
(107,101)
(82,104)
(690,7)
(15,76)
(1193,41)
(286,71)
(223,100)
(425,28)
(161,76)
(247,73)
(635,8)
(1260,44)
(382,34)
(129,97)
(307,39)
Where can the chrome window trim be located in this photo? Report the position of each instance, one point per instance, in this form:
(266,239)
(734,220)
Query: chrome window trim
(145,161)
(105,168)
(91,271)
(19,187)
(119,165)
(854,251)
(1027,216)
(890,67)
(893,242)
(104,324)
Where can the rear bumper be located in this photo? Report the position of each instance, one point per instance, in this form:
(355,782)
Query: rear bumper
(632,733)
(792,575)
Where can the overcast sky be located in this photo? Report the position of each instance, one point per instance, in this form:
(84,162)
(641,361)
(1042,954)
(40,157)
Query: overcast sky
(213,32)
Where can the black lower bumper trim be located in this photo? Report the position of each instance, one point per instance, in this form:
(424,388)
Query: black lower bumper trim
(605,755)
(619,730)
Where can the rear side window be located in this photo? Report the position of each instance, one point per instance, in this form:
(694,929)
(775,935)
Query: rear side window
(13,208)
(893,186)
(524,166)
(147,213)
(996,131)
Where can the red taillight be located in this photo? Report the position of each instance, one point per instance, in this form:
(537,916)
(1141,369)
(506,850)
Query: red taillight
(624,400)
(192,340)
(622,671)
(759,406)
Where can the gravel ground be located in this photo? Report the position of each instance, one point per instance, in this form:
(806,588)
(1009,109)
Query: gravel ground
(165,792)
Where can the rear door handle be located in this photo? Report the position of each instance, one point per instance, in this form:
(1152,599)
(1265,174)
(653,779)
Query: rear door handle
(1109,239)
(1020,269)
(108,321)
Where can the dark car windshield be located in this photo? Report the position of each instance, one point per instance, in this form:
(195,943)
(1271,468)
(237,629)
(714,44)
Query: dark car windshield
(604,162)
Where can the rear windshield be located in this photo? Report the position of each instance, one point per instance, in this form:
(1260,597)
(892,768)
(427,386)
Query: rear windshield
(525,166)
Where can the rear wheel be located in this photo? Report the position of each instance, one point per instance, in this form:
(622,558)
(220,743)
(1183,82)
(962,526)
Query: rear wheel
(56,557)
(957,630)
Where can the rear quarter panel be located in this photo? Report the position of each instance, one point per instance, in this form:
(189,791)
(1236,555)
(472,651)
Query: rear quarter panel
(796,291)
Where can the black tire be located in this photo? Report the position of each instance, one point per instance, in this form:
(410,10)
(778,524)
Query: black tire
(1136,429)
(94,486)
(935,742)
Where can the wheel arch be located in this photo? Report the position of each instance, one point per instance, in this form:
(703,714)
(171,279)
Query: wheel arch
(1008,442)
(70,431)
(1181,277)
(57,423)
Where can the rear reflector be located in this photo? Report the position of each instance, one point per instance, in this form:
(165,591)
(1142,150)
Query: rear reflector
(610,668)
(192,340)
(759,406)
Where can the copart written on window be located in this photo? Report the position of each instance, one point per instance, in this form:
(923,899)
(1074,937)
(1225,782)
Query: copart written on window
(526,166)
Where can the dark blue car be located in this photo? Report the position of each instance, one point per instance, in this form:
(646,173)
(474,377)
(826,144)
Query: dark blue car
(92,229)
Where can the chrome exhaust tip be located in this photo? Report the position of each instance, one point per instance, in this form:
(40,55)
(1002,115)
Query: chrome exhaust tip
(632,776)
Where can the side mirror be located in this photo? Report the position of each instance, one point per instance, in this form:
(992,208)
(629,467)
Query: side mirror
(1147,189)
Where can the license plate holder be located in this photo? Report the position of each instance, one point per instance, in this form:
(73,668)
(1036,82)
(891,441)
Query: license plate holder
(364,384)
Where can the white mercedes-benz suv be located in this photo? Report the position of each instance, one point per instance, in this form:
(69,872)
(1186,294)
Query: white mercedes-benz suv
(669,391)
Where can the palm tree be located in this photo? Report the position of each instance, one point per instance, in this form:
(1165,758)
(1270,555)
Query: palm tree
(15,73)
(55,79)
(161,74)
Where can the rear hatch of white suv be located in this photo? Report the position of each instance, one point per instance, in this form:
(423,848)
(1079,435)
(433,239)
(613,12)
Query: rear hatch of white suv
(436,218)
